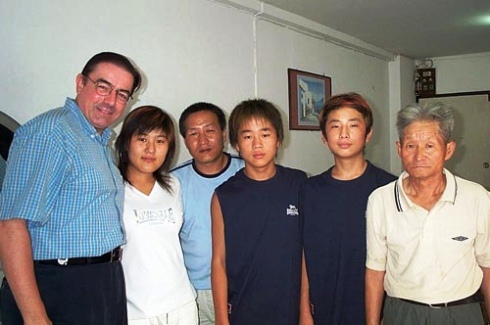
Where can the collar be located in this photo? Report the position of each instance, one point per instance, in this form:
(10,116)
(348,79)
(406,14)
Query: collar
(228,163)
(449,195)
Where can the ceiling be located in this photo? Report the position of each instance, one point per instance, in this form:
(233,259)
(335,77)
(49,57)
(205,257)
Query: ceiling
(413,28)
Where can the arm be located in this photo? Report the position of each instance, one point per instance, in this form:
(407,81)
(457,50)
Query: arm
(485,288)
(374,295)
(17,261)
(219,280)
(305,317)
(482,249)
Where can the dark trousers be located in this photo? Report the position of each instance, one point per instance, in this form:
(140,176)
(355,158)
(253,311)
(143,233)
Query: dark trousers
(399,312)
(87,294)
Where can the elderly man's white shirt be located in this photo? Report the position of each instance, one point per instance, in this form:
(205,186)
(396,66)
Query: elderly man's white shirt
(430,256)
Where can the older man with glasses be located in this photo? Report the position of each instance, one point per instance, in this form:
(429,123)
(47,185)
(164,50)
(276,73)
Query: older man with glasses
(61,204)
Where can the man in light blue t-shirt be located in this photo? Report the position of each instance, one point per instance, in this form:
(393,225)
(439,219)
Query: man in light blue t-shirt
(203,127)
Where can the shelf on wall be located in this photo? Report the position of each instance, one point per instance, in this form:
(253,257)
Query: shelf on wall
(425,83)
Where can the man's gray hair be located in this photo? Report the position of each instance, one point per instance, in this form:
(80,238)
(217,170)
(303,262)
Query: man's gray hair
(431,112)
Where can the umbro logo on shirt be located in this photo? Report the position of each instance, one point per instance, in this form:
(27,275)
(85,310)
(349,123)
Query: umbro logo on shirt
(292,210)
(459,238)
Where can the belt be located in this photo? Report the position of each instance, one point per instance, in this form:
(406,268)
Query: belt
(476,297)
(112,256)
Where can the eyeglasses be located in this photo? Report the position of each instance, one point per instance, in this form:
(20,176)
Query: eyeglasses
(103,88)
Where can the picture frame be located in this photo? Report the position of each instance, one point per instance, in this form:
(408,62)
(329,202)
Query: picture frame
(307,94)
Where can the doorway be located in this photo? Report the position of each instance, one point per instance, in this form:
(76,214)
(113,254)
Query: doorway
(471,159)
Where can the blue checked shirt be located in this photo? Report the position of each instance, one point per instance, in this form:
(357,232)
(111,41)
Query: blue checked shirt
(62,179)
(3,168)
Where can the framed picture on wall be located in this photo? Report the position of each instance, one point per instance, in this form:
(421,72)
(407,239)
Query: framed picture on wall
(307,94)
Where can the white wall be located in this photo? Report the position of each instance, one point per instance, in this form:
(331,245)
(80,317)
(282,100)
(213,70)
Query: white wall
(401,94)
(463,73)
(280,48)
(188,50)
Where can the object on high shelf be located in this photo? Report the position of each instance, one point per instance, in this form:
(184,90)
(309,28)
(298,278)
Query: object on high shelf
(425,82)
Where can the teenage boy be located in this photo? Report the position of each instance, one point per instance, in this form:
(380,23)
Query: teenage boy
(257,253)
(333,207)
(203,127)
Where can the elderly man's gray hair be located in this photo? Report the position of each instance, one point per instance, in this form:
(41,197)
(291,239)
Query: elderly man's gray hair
(430,112)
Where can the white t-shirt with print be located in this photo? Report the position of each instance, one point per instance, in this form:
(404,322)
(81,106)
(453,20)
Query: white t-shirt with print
(156,277)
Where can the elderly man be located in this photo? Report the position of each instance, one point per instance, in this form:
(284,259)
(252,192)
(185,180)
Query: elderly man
(428,241)
(61,204)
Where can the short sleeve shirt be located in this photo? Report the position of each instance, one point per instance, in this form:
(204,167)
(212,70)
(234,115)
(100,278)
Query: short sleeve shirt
(62,179)
(430,256)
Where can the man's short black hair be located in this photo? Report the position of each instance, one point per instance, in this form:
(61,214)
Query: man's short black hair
(198,107)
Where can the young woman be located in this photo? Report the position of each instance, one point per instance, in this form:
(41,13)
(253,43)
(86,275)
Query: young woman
(157,286)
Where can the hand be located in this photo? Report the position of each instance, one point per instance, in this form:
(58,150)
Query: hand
(305,316)
(306,320)
(38,321)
